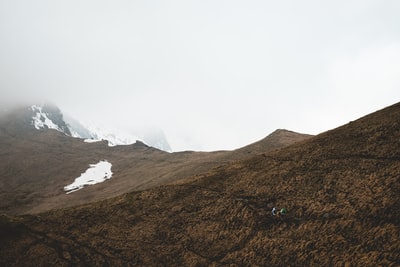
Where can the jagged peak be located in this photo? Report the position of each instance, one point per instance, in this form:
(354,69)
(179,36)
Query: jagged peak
(48,116)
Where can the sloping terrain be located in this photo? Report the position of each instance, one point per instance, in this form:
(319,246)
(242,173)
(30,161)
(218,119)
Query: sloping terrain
(341,190)
(35,165)
(276,140)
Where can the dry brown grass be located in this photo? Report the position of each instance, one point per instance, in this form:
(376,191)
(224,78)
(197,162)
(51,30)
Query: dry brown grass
(341,190)
(36,165)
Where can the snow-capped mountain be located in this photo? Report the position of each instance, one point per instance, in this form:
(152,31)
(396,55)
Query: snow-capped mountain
(93,133)
(156,138)
(113,136)
(50,117)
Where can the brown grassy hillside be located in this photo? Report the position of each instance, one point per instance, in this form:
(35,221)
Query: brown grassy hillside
(36,165)
(341,190)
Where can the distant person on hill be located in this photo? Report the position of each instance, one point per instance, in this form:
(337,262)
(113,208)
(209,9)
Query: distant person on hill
(273,211)
(283,211)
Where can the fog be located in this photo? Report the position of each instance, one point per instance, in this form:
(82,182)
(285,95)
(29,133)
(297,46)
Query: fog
(211,74)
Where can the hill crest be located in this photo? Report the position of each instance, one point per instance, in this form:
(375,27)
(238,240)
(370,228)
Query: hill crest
(341,190)
(36,165)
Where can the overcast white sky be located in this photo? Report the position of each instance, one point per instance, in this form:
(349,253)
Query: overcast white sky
(211,74)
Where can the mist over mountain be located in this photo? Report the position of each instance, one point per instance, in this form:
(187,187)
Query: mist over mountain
(77,129)
(156,138)
(39,161)
(49,116)
(340,189)
(149,156)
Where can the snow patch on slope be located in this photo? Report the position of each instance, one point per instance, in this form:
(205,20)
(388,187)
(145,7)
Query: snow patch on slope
(97,173)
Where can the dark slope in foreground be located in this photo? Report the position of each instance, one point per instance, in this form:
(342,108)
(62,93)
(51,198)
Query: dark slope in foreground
(35,165)
(341,190)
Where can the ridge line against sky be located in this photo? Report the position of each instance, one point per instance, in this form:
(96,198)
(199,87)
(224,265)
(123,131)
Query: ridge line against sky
(211,74)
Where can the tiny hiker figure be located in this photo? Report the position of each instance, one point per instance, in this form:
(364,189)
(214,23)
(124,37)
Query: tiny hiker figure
(273,211)
(283,211)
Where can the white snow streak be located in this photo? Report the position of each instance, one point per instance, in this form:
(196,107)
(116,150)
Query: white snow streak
(112,136)
(97,173)
(40,120)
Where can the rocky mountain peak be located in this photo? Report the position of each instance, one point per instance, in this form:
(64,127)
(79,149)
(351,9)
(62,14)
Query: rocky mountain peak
(49,116)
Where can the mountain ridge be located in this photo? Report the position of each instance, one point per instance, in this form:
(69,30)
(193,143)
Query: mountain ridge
(36,165)
(49,116)
(340,188)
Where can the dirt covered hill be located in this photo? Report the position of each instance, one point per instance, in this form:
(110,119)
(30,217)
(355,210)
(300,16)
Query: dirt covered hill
(341,190)
(276,140)
(35,165)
